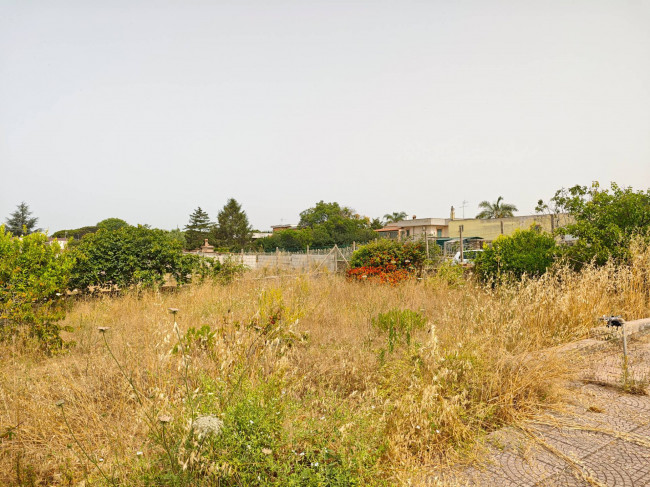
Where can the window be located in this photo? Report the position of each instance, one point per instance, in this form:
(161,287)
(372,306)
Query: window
(439,232)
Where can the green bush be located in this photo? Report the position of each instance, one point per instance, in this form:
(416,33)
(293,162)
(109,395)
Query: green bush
(125,257)
(530,252)
(384,252)
(33,280)
(193,267)
(289,240)
(604,221)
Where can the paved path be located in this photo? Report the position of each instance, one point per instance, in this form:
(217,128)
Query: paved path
(605,441)
(601,439)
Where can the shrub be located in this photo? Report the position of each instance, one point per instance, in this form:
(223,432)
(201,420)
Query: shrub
(124,257)
(33,279)
(387,261)
(604,221)
(528,252)
(191,267)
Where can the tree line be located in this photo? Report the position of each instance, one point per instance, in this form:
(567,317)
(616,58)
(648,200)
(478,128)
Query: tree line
(321,226)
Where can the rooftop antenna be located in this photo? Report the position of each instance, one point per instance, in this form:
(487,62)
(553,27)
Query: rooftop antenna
(463,207)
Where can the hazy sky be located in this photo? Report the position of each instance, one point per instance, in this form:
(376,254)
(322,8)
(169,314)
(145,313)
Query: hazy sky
(146,110)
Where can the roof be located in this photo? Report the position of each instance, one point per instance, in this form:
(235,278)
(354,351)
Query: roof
(419,222)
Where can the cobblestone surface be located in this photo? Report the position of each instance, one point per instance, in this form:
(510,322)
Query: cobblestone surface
(602,439)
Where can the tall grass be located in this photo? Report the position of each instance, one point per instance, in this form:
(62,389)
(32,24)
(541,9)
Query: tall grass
(310,389)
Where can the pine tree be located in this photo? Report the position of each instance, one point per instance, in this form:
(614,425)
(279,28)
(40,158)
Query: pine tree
(19,223)
(233,230)
(197,229)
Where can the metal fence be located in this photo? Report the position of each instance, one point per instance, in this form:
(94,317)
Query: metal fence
(334,259)
(453,246)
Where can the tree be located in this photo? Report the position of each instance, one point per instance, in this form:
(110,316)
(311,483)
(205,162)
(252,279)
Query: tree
(332,224)
(529,252)
(395,217)
(76,233)
(112,224)
(197,229)
(324,212)
(233,230)
(496,209)
(20,222)
(604,221)
(376,224)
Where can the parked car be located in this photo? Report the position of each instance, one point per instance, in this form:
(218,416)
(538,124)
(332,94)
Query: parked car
(468,257)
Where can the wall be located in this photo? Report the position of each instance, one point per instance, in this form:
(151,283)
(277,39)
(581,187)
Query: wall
(331,260)
(490,229)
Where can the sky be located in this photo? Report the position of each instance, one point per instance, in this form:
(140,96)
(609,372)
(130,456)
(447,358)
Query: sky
(146,110)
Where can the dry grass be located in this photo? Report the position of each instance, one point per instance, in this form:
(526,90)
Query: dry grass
(420,406)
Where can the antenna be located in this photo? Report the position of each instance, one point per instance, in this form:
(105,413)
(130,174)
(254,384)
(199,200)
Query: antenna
(463,207)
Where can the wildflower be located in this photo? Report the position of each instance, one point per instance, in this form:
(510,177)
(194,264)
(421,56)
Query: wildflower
(438,431)
(103,329)
(173,310)
(164,419)
(207,425)
(138,453)
(59,403)
(250,421)
(267,451)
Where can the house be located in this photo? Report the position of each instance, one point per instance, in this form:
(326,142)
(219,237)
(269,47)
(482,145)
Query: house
(415,228)
(475,228)
(284,226)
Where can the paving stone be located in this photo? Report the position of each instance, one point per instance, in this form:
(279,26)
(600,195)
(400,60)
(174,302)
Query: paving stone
(603,438)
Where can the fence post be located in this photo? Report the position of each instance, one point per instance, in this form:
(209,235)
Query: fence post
(460,230)
(426,241)
(625,362)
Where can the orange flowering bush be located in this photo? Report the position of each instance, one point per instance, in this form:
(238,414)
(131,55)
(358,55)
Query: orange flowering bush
(386,261)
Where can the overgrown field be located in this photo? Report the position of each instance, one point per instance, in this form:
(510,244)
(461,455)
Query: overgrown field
(310,380)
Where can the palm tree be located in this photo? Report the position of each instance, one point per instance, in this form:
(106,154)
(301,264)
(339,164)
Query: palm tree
(395,217)
(496,209)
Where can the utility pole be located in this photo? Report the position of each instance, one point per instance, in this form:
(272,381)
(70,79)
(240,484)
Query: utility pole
(463,207)
(426,241)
